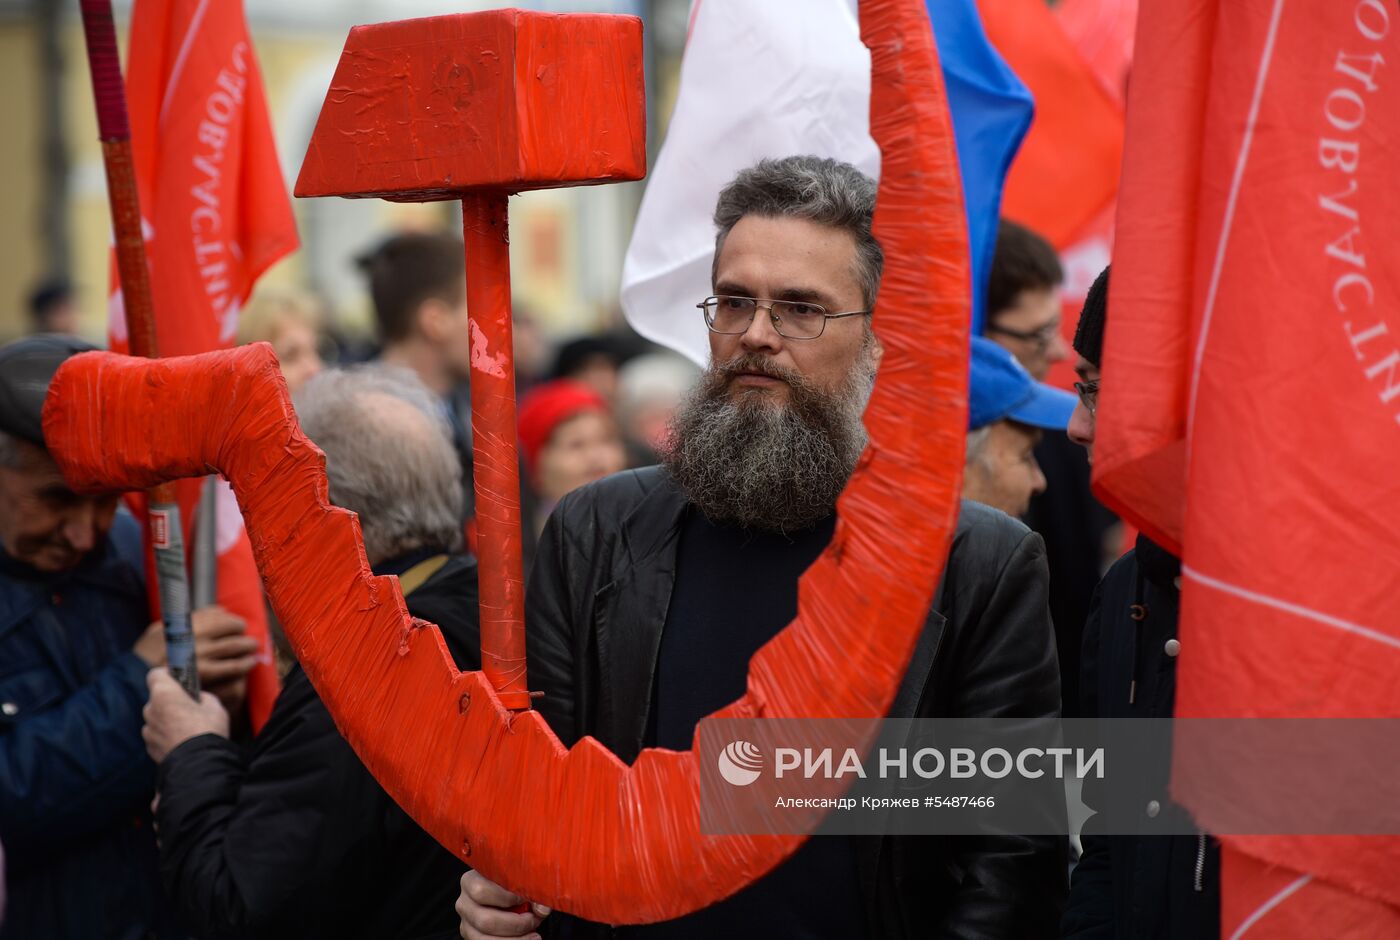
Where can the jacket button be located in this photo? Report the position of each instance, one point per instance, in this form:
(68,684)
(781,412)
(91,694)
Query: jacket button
(9,708)
(1153,808)
(1172,647)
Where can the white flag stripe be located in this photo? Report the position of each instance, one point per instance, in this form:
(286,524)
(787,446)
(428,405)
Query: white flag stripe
(1269,905)
(768,79)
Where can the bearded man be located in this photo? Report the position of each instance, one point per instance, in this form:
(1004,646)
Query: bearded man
(653,588)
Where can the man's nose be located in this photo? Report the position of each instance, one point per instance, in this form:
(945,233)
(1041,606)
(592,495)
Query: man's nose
(1038,483)
(762,334)
(1058,350)
(80,527)
(1081,426)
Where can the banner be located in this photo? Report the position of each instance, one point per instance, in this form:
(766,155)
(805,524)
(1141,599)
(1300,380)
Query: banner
(1250,410)
(215,215)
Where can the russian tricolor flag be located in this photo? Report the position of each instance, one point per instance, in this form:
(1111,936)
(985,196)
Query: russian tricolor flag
(783,77)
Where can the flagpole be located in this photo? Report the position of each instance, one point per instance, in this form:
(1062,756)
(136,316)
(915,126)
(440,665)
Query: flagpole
(204,563)
(163,511)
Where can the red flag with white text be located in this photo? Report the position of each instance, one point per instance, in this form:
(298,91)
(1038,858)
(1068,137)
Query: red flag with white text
(1250,412)
(216,214)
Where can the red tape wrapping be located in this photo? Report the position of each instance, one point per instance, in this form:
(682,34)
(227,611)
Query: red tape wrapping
(577,829)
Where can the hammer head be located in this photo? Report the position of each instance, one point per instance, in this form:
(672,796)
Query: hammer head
(509,100)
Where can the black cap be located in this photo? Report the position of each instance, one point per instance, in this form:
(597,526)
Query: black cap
(27,366)
(1088,336)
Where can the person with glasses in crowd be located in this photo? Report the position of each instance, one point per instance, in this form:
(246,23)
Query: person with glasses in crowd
(1023,317)
(1023,299)
(700,559)
(1142,887)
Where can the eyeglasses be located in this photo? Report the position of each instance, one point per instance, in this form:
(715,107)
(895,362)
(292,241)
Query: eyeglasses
(793,319)
(1041,338)
(1088,394)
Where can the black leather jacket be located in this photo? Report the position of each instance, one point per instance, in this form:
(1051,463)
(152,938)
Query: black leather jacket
(598,598)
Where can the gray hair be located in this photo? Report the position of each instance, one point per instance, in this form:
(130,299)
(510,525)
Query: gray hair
(389,457)
(977,443)
(814,188)
(654,378)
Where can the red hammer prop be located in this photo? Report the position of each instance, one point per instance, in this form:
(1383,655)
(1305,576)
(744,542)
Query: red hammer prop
(475,107)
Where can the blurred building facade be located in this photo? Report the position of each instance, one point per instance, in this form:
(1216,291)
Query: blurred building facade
(567,246)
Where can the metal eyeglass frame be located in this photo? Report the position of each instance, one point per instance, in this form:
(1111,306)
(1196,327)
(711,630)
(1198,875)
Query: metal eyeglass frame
(773,316)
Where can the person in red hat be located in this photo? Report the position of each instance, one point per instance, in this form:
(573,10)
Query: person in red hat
(569,438)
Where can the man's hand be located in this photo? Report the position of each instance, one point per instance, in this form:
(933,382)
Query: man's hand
(224,653)
(485,909)
(172,717)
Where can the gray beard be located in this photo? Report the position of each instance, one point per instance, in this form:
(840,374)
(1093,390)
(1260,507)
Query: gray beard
(747,462)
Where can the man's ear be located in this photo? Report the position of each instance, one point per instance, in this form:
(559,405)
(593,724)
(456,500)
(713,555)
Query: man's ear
(433,320)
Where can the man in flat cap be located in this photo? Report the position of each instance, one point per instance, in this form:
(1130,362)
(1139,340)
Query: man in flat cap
(76,643)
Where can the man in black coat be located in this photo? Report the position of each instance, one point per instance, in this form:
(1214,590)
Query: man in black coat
(296,839)
(1134,887)
(653,588)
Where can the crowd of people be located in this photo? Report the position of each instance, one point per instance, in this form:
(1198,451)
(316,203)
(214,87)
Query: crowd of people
(684,503)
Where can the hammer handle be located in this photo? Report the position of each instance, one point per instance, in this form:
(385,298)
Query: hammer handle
(495,461)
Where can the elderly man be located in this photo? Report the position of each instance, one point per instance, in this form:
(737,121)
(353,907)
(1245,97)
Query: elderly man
(1128,887)
(1008,413)
(687,569)
(75,646)
(297,839)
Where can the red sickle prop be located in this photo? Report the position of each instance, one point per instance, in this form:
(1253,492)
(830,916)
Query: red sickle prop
(576,829)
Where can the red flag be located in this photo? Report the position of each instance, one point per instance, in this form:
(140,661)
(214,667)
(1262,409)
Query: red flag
(1065,178)
(1250,416)
(1103,32)
(216,215)
(1067,169)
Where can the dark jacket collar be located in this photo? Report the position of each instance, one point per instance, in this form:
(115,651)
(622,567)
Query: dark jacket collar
(656,517)
(401,563)
(1160,566)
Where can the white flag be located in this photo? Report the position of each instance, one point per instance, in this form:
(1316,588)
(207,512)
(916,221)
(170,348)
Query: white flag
(759,79)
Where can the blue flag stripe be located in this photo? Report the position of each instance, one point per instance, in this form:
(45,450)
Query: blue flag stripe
(991,110)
